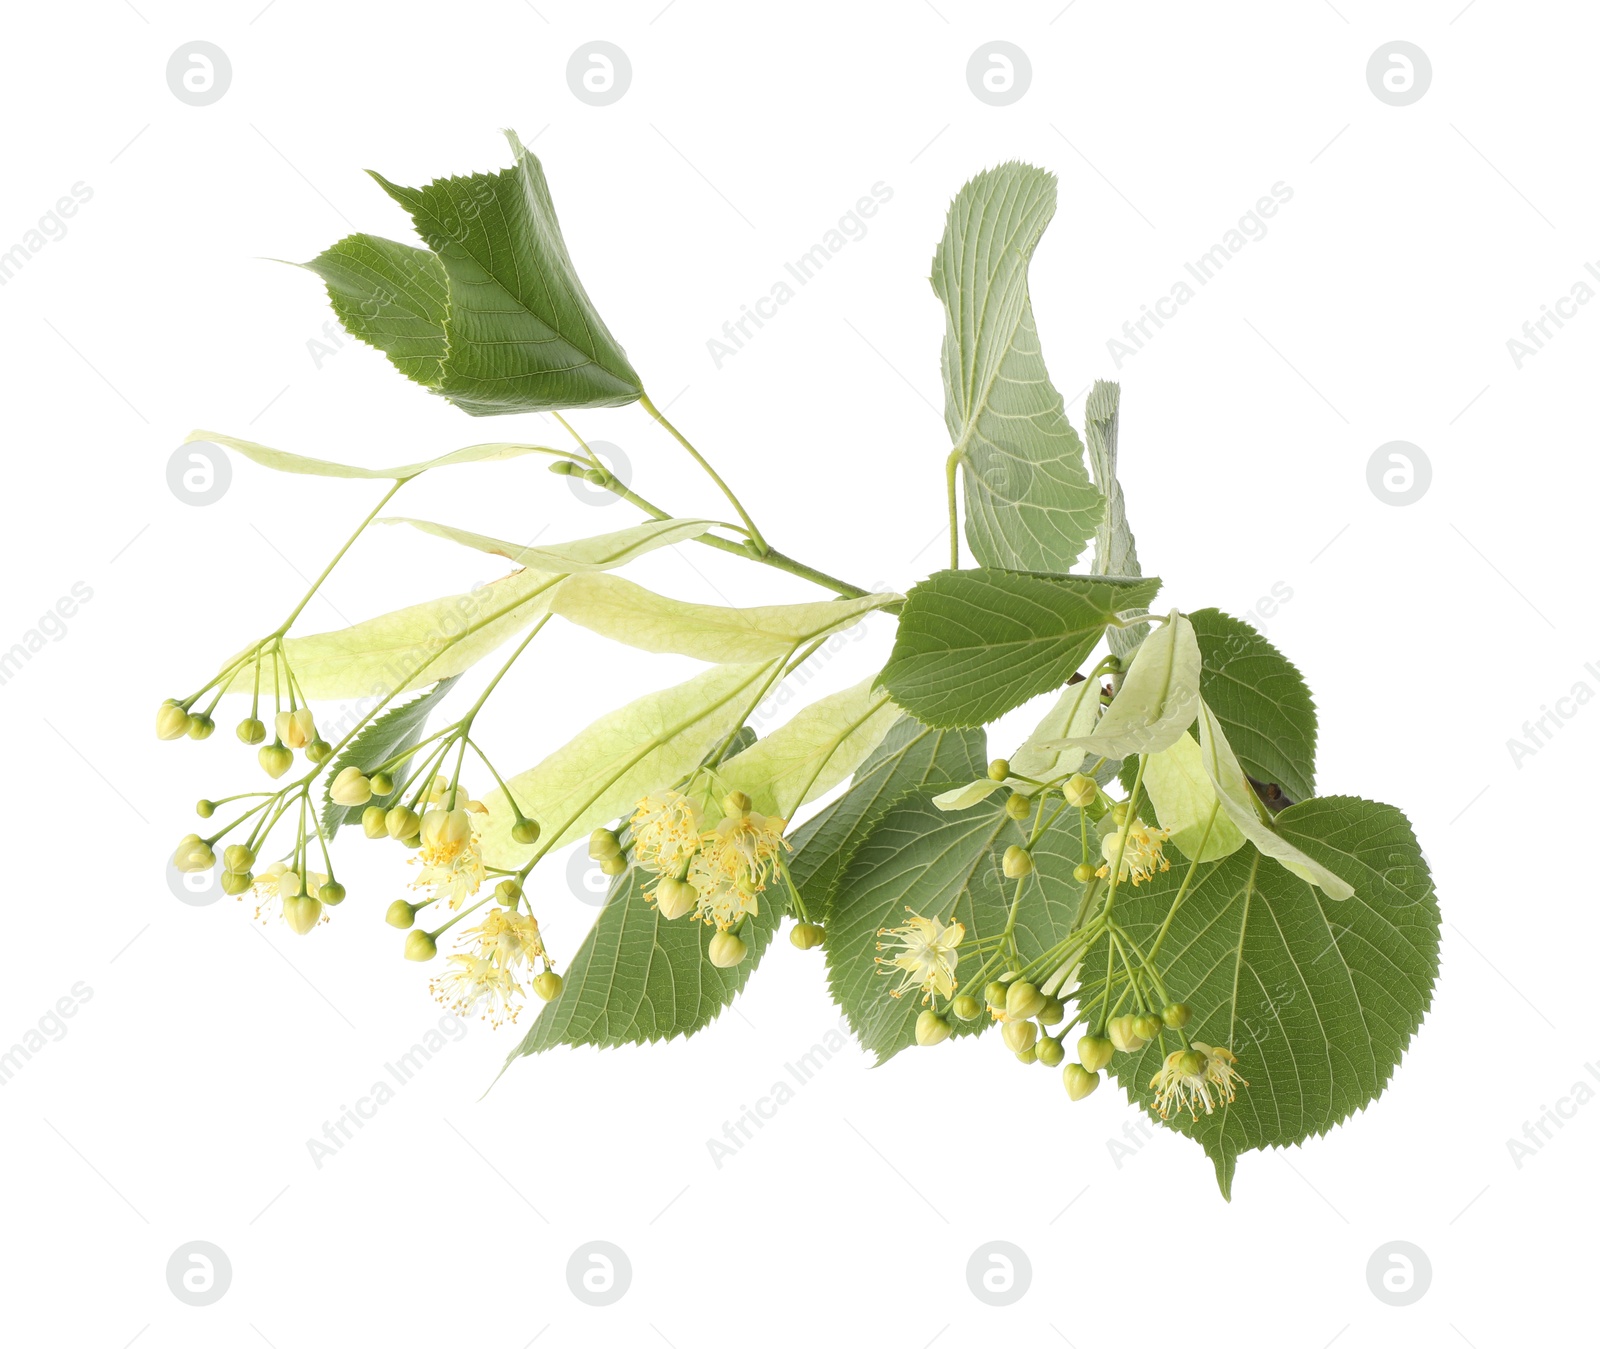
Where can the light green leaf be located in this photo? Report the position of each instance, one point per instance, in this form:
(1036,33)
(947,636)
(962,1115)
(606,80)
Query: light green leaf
(1241,805)
(411,647)
(1318,1000)
(960,798)
(600,774)
(1186,803)
(392,297)
(1074,715)
(974,644)
(1158,700)
(1261,700)
(397,729)
(813,752)
(523,334)
(629,613)
(285,462)
(1029,502)
(911,755)
(1114,553)
(599,553)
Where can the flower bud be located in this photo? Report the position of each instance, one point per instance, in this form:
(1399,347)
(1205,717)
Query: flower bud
(1019,1035)
(1018,807)
(994,993)
(525,831)
(200,726)
(1094,1052)
(1023,1000)
(401,914)
(1123,1034)
(381,783)
(1119,813)
(1079,1081)
(1176,1015)
(736,803)
(932,1029)
(806,936)
(205,809)
(319,751)
(172,720)
(967,1007)
(350,787)
(236,882)
(301,913)
(1080,791)
(1053,1012)
(999,770)
(1083,873)
(402,822)
(331,892)
(1017,862)
(547,985)
(508,892)
(1191,1063)
(373,822)
(726,950)
(296,729)
(561,467)
(1147,1025)
(1050,1052)
(446,829)
(420,945)
(275,759)
(675,898)
(598,476)
(604,843)
(1028,1055)
(237,857)
(193,854)
(613,866)
(251,731)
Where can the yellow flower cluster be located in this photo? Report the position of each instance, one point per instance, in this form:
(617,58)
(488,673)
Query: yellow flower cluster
(484,974)
(717,872)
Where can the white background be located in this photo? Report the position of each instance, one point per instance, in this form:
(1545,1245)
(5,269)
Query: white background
(178,1104)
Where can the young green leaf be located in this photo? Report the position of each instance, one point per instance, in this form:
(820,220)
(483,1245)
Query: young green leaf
(1186,803)
(523,335)
(1157,702)
(398,729)
(599,553)
(1029,502)
(1114,553)
(1261,700)
(1317,1000)
(284,462)
(974,644)
(625,612)
(603,771)
(392,297)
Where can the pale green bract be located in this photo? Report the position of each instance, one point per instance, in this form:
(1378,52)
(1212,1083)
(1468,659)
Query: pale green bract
(1073,717)
(1186,803)
(284,462)
(599,553)
(959,798)
(1157,702)
(1114,553)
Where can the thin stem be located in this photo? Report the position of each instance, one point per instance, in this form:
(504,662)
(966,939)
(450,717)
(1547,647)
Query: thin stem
(306,599)
(755,534)
(950,465)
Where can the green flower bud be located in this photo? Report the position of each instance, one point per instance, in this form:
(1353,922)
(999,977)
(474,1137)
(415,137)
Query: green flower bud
(420,945)
(1191,1063)
(1053,1012)
(301,913)
(1176,1015)
(319,750)
(400,914)
(1080,791)
(172,720)
(547,985)
(807,935)
(193,854)
(1094,1052)
(1079,1081)
(1124,1035)
(674,898)
(205,809)
(1018,807)
(508,892)
(1019,1035)
(994,993)
(331,892)
(1119,813)
(237,857)
(736,803)
(1023,1000)
(1050,1052)
(613,866)
(200,726)
(1028,1055)
(236,882)
(604,843)
(1083,873)
(1017,862)
(561,467)
(373,822)
(252,731)
(402,822)
(1147,1026)
(999,770)
(932,1029)
(350,787)
(525,831)
(598,476)
(275,758)
(726,950)
(381,783)
(967,1007)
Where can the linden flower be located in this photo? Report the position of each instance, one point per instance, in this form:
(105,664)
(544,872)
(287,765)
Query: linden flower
(1141,856)
(1219,1071)
(723,899)
(508,938)
(471,982)
(928,958)
(734,864)
(451,856)
(666,831)
(1182,1082)
(277,883)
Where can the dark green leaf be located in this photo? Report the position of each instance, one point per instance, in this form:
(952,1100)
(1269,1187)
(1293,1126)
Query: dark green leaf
(390,296)
(385,736)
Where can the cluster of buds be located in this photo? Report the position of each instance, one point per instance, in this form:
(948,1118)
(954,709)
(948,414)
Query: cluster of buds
(1127,1033)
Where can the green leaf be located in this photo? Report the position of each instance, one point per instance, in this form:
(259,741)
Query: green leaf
(628,613)
(945,865)
(392,297)
(911,755)
(285,462)
(600,774)
(412,647)
(398,729)
(974,644)
(599,553)
(522,334)
(1186,803)
(1114,552)
(1158,700)
(1029,502)
(1074,715)
(1317,1000)
(813,752)
(1261,700)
